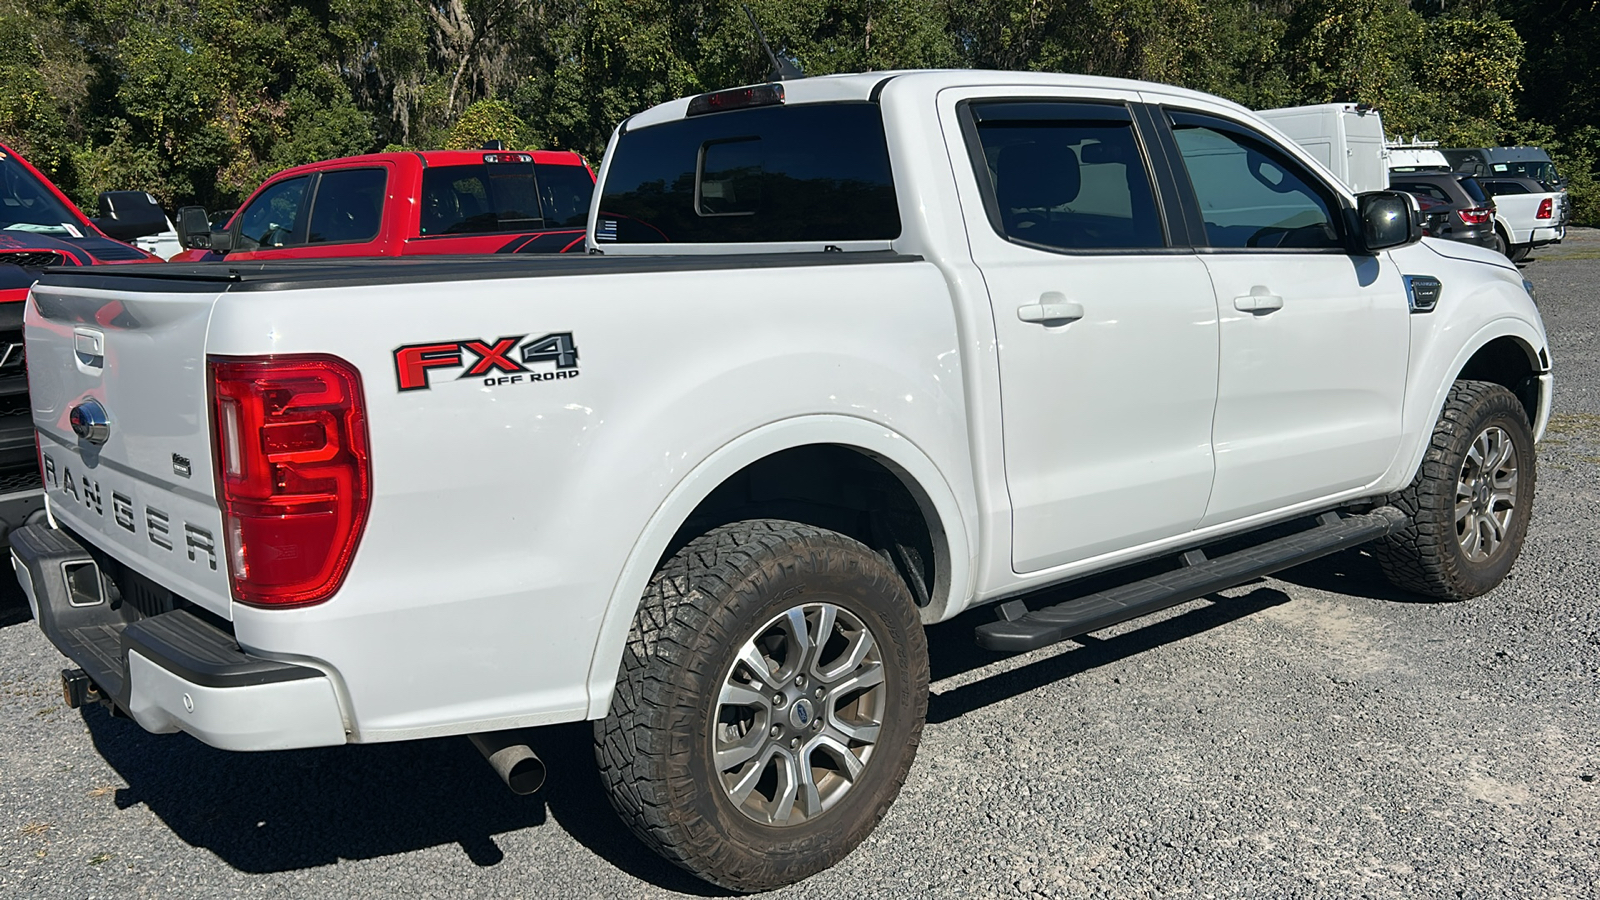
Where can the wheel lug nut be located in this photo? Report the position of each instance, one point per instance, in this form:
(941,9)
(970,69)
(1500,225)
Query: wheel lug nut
(816,725)
(800,681)
(794,743)
(778,699)
(818,692)
(776,731)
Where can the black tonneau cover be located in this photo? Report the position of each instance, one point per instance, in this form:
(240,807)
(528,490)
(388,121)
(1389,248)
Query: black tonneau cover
(295,274)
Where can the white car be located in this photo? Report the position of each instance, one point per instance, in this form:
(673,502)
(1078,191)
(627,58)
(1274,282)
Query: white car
(848,356)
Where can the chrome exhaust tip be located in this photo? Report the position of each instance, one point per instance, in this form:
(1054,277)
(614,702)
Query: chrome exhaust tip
(514,761)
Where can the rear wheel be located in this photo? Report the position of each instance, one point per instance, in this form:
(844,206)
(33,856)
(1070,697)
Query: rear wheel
(1519,252)
(1501,245)
(1471,500)
(769,705)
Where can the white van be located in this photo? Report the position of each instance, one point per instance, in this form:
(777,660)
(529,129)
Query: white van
(1416,156)
(1345,137)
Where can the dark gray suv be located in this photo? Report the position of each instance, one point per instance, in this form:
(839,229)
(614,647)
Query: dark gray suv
(1455,207)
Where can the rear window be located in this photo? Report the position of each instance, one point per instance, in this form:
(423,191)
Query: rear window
(1423,189)
(1474,190)
(817,172)
(1496,188)
(503,197)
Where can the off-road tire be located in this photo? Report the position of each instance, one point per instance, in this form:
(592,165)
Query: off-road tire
(1519,253)
(654,749)
(1426,557)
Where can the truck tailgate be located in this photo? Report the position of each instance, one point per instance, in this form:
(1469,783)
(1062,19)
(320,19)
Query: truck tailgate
(118,381)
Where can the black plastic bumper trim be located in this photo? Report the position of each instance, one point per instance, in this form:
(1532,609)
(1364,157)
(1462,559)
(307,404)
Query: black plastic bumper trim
(98,637)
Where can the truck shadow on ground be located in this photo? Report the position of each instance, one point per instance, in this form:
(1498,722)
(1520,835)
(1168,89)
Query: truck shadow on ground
(13,603)
(952,651)
(289,810)
(1354,573)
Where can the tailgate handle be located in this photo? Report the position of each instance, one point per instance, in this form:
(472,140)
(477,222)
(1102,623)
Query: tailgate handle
(89,346)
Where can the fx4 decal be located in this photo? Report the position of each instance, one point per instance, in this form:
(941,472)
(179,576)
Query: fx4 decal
(503,360)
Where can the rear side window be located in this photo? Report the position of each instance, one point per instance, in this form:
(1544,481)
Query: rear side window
(1473,189)
(817,172)
(564,193)
(348,207)
(1066,176)
(1252,195)
(269,220)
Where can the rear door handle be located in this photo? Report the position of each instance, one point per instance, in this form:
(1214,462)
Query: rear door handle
(1053,309)
(1259,300)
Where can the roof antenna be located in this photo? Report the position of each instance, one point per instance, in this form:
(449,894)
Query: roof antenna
(784,68)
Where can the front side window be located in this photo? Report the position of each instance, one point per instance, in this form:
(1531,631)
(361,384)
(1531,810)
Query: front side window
(1251,195)
(269,220)
(1066,176)
(348,207)
(809,172)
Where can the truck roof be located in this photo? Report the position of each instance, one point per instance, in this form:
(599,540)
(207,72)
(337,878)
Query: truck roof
(435,158)
(861,86)
(1515,154)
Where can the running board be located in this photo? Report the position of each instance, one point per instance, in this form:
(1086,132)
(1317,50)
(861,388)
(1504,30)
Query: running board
(1019,629)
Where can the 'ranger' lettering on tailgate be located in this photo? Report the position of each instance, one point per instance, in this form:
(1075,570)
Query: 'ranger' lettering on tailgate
(157,524)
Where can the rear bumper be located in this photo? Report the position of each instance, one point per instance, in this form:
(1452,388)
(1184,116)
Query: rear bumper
(174,671)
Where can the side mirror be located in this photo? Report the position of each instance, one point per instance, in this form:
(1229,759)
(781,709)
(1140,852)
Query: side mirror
(194,228)
(125,215)
(1388,219)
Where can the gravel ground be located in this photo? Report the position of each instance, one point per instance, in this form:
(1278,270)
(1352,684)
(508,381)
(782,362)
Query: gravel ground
(1315,735)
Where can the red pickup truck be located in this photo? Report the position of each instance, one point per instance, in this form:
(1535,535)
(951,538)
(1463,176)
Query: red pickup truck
(40,227)
(405,204)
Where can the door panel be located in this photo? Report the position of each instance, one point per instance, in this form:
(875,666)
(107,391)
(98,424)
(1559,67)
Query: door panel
(1314,338)
(1107,419)
(1310,394)
(1108,338)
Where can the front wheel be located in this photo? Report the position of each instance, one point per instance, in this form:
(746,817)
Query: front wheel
(769,705)
(1470,502)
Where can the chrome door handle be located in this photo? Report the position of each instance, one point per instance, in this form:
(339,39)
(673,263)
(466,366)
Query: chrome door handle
(1259,300)
(1054,312)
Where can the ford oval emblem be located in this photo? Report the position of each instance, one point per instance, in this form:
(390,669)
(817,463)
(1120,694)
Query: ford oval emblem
(89,421)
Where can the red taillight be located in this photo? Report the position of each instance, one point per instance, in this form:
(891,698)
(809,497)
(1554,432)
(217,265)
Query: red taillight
(1477,215)
(1547,208)
(289,434)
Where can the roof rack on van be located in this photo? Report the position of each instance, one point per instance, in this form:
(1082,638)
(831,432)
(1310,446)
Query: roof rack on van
(1398,142)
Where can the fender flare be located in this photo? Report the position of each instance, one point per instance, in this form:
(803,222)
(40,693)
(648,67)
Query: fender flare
(1506,326)
(945,517)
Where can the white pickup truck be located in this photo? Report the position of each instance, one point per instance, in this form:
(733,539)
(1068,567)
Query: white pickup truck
(1526,214)
(849,356)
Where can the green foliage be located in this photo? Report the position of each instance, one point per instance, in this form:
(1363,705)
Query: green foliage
(198,100)
(490,120)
